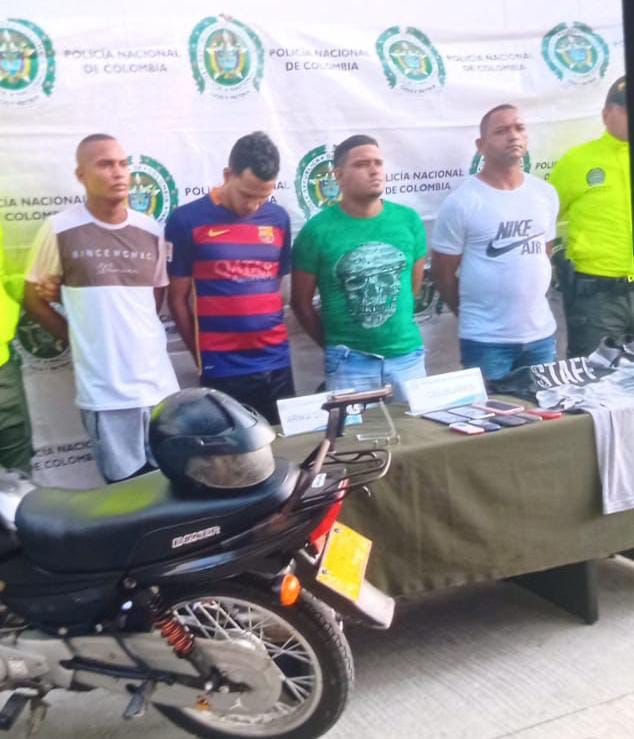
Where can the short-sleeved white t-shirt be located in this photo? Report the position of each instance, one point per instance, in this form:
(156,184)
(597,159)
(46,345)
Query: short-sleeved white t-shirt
(505,271)
(109,273)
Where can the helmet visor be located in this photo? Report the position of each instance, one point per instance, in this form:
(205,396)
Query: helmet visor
(232,470)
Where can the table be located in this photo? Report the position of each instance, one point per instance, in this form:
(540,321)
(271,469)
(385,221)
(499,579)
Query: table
(457,509)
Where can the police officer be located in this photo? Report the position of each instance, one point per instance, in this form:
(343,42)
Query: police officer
(593,182)
(15,426)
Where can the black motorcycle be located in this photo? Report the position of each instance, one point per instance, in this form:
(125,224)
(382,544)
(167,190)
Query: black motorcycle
(221,605)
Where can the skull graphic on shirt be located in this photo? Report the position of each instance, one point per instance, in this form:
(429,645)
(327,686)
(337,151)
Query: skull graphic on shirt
(370,276)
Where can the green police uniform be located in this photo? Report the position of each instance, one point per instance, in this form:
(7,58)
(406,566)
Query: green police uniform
(593,183)
(15,428)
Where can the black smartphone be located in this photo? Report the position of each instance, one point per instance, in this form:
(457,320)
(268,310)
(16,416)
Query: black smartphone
(529,417)
(509,420)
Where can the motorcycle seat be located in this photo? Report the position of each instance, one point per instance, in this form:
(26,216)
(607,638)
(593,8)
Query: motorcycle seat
(139,521)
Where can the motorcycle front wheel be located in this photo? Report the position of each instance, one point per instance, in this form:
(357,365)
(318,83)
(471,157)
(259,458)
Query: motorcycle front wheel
(294,661)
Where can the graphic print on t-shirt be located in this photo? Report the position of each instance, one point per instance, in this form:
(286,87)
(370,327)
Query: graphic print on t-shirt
(370,277)
(92,256)
(507,239)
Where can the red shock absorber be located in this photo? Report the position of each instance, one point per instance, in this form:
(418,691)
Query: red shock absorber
(183,642)
(179,637)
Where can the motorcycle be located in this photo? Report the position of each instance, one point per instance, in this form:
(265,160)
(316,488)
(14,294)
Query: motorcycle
(224,612)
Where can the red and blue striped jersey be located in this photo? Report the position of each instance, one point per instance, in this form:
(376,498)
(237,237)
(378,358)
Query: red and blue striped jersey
(236,265)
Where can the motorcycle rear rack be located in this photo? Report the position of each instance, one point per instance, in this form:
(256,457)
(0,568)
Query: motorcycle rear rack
(359,467)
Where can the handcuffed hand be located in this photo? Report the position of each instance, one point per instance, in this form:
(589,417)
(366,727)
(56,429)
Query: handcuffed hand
(49,289)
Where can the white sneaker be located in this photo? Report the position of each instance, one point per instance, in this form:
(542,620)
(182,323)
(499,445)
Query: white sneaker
(608,354)
(627,342)
(627,345)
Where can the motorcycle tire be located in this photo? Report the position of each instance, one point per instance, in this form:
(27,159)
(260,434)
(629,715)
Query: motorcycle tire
(327,653)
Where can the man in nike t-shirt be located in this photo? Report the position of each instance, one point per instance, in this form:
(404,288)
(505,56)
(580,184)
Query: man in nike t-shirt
(230,250)
(497,229)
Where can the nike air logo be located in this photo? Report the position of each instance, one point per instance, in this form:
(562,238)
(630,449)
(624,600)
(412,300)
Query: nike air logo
(212,233)
(496,251)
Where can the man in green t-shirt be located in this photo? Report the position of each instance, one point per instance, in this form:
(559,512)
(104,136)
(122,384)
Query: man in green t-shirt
(15,427)
(366,257)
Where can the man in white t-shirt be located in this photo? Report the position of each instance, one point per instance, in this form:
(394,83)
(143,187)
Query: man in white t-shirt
(111,263)
(497,230)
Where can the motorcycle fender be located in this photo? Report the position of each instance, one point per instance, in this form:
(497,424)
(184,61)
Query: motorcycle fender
(373,607)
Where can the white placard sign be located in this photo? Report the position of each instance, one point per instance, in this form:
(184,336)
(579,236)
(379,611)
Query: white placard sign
(304,414)
(448,390)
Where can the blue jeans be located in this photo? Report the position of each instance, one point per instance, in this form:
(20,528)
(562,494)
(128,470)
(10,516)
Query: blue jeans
(497,360)
(348,368)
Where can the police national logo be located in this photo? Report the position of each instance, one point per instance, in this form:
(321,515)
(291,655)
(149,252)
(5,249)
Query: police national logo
(409,60)
(315,182)
(478,162)
(27,62)
(226,56)
(575,53)
(152,188)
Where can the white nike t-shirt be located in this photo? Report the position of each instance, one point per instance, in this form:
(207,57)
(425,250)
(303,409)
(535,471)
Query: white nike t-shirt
(505,270)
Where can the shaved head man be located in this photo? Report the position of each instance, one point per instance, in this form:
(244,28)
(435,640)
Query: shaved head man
(110,262)
(496,229)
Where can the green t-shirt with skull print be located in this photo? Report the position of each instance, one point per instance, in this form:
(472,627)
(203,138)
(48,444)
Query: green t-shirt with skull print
(364,276)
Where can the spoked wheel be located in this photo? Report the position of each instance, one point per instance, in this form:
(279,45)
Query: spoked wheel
(295,665)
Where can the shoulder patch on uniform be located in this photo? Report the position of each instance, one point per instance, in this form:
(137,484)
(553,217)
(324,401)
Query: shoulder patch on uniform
(595,176)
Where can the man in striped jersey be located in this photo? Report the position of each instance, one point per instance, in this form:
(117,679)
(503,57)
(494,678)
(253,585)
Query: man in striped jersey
(230,250)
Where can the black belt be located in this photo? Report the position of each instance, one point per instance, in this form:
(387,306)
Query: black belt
(605,281)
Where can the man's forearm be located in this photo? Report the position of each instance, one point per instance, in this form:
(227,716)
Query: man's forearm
(448,289)
(184,320)
(48,318)
(310,321)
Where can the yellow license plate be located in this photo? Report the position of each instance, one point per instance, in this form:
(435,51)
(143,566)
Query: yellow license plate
(343,564)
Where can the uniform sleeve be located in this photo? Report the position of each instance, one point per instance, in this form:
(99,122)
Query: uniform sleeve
(305,251)
(554,212)
(562,179)
(420,237)
(44,258)
(161,278)
(285,254)
(449,233)
(179,247)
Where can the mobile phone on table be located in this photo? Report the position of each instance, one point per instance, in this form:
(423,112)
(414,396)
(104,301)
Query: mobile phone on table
(499,407)
(440,417)
(466,428)
(531,418)
(470,411)
(545,413)
(509,420)
(485,424)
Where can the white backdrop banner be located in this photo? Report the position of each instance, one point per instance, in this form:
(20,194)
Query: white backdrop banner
(177,84)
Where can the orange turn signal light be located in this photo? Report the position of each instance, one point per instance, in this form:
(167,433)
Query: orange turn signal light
(290,590)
